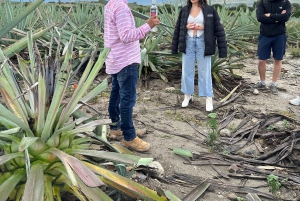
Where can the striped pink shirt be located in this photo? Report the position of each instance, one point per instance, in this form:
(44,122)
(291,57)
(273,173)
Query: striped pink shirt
(121,36)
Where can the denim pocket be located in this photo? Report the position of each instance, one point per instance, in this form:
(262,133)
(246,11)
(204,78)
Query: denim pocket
(123,74)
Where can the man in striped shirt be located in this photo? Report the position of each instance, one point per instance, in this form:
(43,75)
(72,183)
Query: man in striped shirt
(122,37)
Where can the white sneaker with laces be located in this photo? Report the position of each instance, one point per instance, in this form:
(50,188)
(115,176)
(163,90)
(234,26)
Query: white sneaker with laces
(295,101)
(209,104)
(186,100)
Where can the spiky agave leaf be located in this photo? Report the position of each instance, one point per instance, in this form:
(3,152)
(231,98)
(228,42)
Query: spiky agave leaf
(126,185)
(34,188)
(10,25)
(49,143)
(37,150)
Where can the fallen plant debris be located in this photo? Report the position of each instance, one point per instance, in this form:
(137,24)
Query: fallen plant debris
(263,131)
(260,145)
(185,179)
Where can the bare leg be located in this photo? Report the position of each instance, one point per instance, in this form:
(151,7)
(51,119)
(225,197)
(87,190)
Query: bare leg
(276,70)
(262,69)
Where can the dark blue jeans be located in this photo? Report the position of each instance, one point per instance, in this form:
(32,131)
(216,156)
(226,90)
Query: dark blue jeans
(122,100)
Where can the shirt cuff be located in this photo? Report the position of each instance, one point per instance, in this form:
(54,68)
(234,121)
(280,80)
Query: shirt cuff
(146,28)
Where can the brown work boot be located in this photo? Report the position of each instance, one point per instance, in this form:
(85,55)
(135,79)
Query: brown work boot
(136,144)
(115,134)
(141,132)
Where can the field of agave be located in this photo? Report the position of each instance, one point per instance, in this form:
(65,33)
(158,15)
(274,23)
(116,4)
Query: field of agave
(51,149)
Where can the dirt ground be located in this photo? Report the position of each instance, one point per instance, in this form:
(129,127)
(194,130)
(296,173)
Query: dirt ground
(159,109)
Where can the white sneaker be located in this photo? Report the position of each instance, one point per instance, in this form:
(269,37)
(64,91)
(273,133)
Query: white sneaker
(295,101)
(186,100)
(209,104)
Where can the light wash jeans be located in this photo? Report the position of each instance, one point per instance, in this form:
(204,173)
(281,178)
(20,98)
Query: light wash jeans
(122,100)
(195,53)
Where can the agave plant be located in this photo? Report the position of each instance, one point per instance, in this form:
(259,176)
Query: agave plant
(223,68)
(239,37)
(45,152)
(8,21)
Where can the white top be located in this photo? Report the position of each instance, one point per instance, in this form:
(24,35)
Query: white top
(198,20)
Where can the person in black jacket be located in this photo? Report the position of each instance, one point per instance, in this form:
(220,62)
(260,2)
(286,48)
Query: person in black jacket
(198,29)
(272,15)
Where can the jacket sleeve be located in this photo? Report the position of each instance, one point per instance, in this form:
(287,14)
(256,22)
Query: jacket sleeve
(175,39)
(220,35)
(283,17)
(260,14)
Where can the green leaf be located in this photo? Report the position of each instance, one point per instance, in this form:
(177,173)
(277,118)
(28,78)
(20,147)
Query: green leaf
(95,194)
(126,185)
(97,90)
(8,124)
(121,169)
(8,157)
(116,157)
(84,83)
(26,142)
(10,116)
(9,185)
(85,174)
(48,187)
(34,188)
(8,134)
(60,87)
(273,183)
(144,161)
(91,125)
(182,152)
(10,131)
(212,115)
(22,44)
(9,26)
(171,196)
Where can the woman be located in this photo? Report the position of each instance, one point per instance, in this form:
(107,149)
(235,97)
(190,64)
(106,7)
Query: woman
(197,30)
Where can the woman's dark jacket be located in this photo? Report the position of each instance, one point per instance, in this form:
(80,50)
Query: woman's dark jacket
(213,30)
(275,24)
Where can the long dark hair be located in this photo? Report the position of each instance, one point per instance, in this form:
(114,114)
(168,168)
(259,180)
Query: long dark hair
(201,3)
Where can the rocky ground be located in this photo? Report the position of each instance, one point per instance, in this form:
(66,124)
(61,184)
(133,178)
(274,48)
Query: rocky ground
(170,126)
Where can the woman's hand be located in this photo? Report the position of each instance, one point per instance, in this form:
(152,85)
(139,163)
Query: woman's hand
(191,26)
(200,27)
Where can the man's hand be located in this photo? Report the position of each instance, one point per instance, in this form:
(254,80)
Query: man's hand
(153,21)
(267,14)
(283,11)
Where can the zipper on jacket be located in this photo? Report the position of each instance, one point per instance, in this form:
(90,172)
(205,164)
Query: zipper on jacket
(204,30)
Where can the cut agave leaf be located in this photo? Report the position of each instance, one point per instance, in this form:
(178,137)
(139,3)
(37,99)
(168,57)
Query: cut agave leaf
(196,192)
(171,196)
(183,152)
(126,185)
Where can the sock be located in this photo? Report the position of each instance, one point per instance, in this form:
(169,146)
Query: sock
(273,83)
(263,82)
